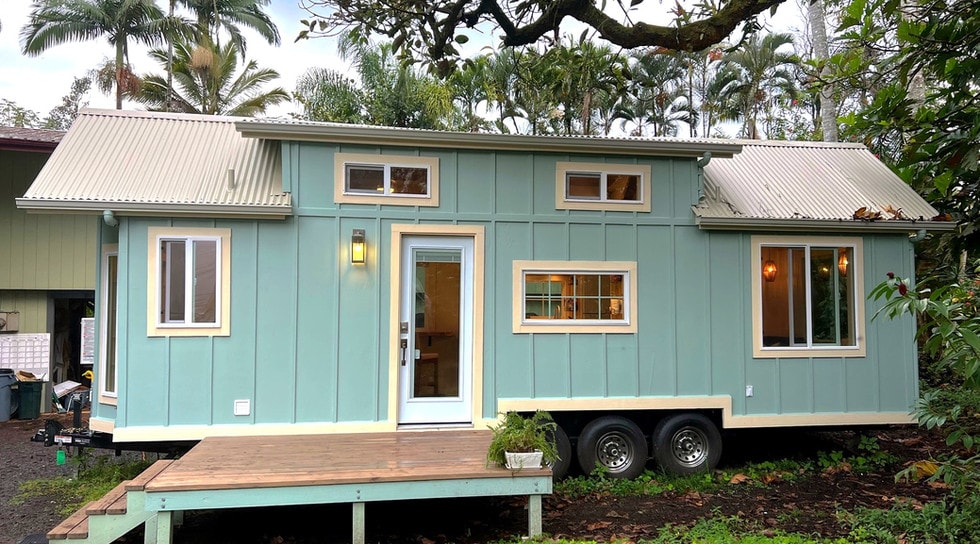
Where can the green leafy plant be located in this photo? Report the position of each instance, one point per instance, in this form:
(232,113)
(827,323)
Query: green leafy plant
(517,433)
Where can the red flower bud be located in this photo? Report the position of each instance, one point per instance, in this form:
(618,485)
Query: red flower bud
(891,275)
(902,289)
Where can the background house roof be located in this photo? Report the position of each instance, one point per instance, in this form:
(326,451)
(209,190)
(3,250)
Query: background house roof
(29,139)
(143,163)
(802,185)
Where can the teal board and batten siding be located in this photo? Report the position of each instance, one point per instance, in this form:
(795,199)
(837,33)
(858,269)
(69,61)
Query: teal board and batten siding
(309,332)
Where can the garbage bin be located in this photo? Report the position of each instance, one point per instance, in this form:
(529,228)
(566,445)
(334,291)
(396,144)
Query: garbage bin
(7,399)
(30,399)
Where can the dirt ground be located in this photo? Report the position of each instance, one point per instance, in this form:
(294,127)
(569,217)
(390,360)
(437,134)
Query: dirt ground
(806,505)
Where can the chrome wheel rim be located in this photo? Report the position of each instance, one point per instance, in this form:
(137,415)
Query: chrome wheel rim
(614,451)
(690,447)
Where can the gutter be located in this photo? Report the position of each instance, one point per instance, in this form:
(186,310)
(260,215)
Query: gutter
(159,210)
(824,225)
(369,135)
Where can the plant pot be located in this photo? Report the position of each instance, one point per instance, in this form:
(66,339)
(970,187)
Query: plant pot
(520,460)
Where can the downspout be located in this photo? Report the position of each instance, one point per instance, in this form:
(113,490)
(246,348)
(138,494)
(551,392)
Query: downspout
(702,162)
(918,236)
(110,218)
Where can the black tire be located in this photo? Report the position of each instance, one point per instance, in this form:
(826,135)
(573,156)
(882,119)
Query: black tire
(559,469)
(614,443)
(686,443)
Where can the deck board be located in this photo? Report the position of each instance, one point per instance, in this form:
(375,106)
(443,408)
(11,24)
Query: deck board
(312,460)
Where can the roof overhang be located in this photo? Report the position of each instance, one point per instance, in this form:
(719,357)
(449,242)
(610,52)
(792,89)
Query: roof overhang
(820,225)
(29,146)
(162,210)
(369,135)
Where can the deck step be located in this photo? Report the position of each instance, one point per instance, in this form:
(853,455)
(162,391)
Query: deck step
(139,483)
(113,503)
(75,526)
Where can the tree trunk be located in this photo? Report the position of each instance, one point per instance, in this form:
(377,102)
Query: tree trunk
(821,52)
(119,73)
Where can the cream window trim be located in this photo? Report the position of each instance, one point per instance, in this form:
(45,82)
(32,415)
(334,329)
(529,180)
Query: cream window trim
(223,310)
(342,196)
(627,298)
(857,267)
(564,202)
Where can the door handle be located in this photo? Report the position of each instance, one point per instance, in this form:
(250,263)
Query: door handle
(404,346)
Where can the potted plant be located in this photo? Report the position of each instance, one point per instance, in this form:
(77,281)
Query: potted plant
(523,442)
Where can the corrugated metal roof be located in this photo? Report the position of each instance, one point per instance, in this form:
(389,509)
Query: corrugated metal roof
(139,163)
(291,129)
(782,183)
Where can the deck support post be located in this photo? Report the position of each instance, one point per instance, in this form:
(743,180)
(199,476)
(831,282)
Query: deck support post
(150,530)
(164,527)
(534,516)
(358,535)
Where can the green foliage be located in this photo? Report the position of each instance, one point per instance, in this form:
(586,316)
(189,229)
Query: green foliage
(725,530)
(951,521)
(12,115)
(95,478)
(931,136)
(517,433)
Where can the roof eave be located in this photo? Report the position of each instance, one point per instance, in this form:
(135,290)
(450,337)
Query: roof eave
(146,209)
(823,225)
(476,140)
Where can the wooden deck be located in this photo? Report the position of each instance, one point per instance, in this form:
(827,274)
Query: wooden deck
(238,472)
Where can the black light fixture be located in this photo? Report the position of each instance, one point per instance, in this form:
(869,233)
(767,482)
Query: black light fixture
(357,247)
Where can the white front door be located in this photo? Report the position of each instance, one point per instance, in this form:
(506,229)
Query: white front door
(436,330)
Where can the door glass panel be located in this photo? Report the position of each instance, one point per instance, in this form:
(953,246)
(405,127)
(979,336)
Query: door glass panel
(109,379)
(437,323)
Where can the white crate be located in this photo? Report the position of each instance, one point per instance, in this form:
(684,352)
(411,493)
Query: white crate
(27,352)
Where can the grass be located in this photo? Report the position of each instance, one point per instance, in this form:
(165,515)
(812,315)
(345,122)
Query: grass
(96,476)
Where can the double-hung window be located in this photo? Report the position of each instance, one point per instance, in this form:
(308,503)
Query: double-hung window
(574,296)
(602,186)
(189,279)
(386,179)
(808,297)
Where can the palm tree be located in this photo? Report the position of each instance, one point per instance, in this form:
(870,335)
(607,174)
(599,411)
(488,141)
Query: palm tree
(328,95)
(758,77)
(206,83)
(656,95)
(591,78)
(54,22)
(213,16)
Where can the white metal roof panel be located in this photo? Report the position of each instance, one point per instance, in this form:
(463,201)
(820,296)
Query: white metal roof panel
(160,163)
(808,182)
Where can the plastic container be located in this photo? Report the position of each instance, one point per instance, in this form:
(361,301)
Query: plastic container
(7,398)
(30,399)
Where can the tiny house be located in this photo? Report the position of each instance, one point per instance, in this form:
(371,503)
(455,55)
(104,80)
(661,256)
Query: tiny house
(283,277)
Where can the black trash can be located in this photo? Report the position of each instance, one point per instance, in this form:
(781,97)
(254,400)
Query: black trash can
(30,399)
(8,400)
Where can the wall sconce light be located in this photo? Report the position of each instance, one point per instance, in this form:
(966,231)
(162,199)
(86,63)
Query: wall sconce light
(842,263)
(769,271)
(357,247)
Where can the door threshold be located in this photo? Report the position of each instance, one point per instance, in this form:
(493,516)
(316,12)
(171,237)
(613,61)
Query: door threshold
(432,426)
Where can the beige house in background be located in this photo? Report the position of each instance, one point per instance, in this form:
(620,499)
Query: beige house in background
(47,262)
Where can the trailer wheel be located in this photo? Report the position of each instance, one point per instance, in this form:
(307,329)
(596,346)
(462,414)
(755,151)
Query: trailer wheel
(614,443)
(686,443)
(560,467)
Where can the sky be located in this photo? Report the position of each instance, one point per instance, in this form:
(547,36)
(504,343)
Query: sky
(39,83)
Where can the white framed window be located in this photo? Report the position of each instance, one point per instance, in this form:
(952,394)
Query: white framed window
(602,186)
(188,280)
(386,179)
(574,296)
(808,295)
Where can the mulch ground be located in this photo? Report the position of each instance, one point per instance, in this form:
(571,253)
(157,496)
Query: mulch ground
(805,505)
